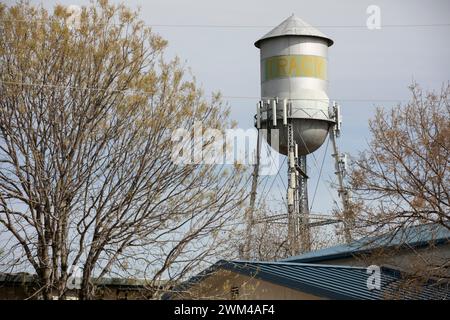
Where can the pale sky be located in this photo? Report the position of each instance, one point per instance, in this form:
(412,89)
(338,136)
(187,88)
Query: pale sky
(367,68)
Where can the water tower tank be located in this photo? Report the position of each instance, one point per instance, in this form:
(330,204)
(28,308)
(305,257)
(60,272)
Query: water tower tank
(294,72)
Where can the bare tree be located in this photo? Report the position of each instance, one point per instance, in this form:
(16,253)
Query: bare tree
(403,178)
(270,235)
(87,110)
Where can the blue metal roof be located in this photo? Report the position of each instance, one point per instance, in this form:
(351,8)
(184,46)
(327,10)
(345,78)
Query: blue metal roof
(413,236)
(336,281)
(327,281)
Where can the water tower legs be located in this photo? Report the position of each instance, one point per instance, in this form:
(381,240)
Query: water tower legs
(305,236)
(297,194)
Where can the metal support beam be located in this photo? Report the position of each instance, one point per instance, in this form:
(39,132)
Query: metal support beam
(340,171)
(261,110)
(298,221)
(305,237)
(292,194)
(315,220)
(251,209)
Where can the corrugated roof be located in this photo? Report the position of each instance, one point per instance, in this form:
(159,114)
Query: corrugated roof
(342,282)
(413,236)
(294,26)
(327,281)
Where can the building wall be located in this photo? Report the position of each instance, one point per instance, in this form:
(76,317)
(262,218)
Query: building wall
(225,284)
(405,259)
(22,292)
(13,292)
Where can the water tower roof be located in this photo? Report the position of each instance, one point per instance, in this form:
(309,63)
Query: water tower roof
(294,26)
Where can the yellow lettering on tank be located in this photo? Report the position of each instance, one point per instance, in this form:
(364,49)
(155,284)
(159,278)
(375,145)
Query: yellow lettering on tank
(294,66)
(293,69)
(321,68)
(307,66)
(268,69)
(281,64)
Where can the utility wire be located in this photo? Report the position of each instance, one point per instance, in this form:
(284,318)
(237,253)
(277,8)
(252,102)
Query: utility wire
(315,162)
(301,99)
(32,84)
(241,26)
(223,26)
(273,181)
(277,174)
(320,175)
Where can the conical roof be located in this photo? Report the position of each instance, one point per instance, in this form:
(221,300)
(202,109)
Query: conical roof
(294,26)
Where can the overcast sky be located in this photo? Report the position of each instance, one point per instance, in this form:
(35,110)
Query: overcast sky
(373,67)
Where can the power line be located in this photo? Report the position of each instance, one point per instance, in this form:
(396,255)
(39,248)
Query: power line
(278,175)
(315,161)
(241,26)
(320,175)
(218,26)
(343,99)
(232,97)
(273,181)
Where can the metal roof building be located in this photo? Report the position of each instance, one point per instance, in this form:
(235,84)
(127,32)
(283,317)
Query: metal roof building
(414,236)
(320,280)
(323,281)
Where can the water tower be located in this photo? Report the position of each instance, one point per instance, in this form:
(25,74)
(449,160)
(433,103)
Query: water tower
(295,104)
